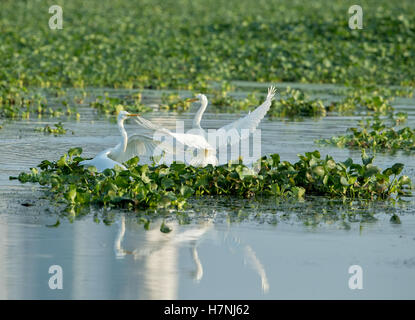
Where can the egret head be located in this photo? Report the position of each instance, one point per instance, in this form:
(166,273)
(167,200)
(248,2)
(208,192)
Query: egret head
(199,98)
(122,115)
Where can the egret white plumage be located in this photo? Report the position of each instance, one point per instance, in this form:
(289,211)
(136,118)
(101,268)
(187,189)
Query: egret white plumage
(138,145)
(198,138)
(193,141)
(102,161)
(127,148)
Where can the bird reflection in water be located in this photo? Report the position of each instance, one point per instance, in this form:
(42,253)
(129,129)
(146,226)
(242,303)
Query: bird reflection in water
(160,255)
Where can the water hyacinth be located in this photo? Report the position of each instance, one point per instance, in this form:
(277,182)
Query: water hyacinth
(296,103)
(47,129)
(236,39)
(18,102)
(160,186)
(113,105)
(375,134)
(15,102)
(173,102)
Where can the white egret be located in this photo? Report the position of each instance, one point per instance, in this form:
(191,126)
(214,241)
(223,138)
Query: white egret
(126,149)
(190,140)
(198,138)
(101,161)
(138,145)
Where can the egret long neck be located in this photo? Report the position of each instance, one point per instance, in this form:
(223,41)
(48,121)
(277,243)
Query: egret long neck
(199,113)
(124,137)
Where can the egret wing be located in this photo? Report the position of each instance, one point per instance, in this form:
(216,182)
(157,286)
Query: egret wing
(252,119)
(190,140)
(141,145)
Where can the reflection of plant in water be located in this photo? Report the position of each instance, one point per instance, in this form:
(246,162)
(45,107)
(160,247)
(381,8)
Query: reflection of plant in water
(315,212)
(312,211)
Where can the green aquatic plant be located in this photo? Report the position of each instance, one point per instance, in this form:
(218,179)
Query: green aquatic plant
(15,102)
(377,104)
(399,117)
(18,102)
(173,102)
(388,92)
(189,45)
(59,129)
(289,103)
(367,98)
(294,103)
(144,186)
(224,102)
(375,134)
(113,105)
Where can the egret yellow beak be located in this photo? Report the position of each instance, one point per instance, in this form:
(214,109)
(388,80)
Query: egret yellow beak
(134,115)
(192,100)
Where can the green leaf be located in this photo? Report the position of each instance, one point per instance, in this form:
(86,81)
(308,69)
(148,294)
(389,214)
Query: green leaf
(186,191)
(164,228)
(344,181)
(275,159)
(371,170)
(71,194)
(331,164)
(348,163)
(75,152)
(319,171)
(397,168)
(133,162)
(167,183)
(395,219)
(62,161)
(57,223)
(366,159)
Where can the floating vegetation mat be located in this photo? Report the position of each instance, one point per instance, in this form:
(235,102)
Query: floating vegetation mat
(58,130)
(161,186)
(19,102)
(179,44)
(375,134)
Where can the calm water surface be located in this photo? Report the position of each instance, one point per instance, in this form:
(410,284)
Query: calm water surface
(251,252)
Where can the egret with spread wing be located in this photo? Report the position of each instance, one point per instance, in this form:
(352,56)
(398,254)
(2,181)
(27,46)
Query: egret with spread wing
(249,122)
(190,140)
(198,138)
(126,149)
